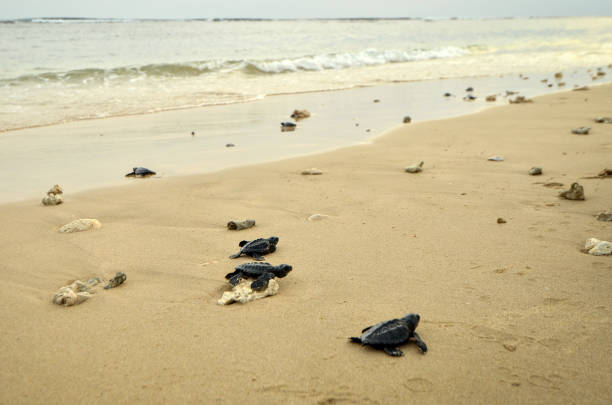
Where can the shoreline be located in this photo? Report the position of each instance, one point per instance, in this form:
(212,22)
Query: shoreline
(497,301)
(161,141)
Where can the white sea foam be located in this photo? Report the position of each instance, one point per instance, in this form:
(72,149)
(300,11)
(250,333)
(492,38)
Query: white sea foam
(367,57)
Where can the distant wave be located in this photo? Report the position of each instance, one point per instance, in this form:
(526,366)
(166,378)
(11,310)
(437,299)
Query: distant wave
(251,67)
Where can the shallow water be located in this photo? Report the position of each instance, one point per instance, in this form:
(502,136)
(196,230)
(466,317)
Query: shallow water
(58,70)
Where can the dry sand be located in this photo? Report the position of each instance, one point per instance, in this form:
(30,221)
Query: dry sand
(512,313)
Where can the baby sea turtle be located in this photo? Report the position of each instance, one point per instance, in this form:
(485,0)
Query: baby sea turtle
(256,248)
(140,172)
(116,281)
(263,272)
(389,334)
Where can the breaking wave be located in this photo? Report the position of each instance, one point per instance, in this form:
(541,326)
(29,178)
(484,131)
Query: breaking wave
(345,60)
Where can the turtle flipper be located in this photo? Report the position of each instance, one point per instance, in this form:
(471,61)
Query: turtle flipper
(262,282)
(257,257)
(369,327)
(235,279)
(355,339)
(230,275)
(234,256)
(420,344)
(393,351)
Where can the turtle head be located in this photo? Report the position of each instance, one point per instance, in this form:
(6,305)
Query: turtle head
(282,270)
(273,240)
(412,320)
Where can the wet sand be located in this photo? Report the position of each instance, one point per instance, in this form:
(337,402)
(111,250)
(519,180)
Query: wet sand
(512,313)
(97,153)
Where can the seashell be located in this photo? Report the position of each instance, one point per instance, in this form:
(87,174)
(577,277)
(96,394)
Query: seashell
(243,293)
(414,168)
(79,225)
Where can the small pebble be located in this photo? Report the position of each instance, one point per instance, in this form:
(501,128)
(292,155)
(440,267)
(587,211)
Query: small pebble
(535,171)
(501,221)
(496,158)
(581,130)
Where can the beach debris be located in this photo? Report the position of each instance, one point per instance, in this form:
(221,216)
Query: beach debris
(600,73)
(192,133)
(414,168)
(407,120)
(376,100)
(510,93)
(447,94)
(80,225)
(54,196)
(544,80)
(581,130)
(75,293)
(229,145)
(288,126)
(553,184)
(116,281)
(501,221)
(580,88)
(605,173)
(558,75)
(243,293)
(300,114)
(605,216)
(596,247)
(469,89)
(262,272)
(240,225)
(140,172)
(520,100)
(560,84)
(390,334)
(496,158)
(535,171)
(576,192)
(317,217)
(313,171)
(550,84)
(603,120)
(469,97)
(256,248)
(491,98)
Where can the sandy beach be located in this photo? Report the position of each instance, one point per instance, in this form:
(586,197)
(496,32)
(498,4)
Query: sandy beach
(511,313)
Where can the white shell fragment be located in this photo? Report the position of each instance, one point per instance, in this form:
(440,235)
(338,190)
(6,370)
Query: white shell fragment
(243,293)
(312,171)
(75,293)
(79,225)
(596,247)
(496,158)
(52,199)
(414,168)
(317,217)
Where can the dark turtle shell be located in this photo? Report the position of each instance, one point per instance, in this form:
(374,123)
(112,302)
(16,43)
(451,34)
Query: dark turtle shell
(389,333)
(141,172)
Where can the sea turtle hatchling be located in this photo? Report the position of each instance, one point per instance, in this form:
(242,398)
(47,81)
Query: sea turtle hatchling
(256,248)
(263,272)
(389,334)
(140,172)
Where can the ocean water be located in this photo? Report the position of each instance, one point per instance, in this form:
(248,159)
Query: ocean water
(62,70)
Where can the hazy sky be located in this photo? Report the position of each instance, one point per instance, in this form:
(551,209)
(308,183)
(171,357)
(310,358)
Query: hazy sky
(301,9)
